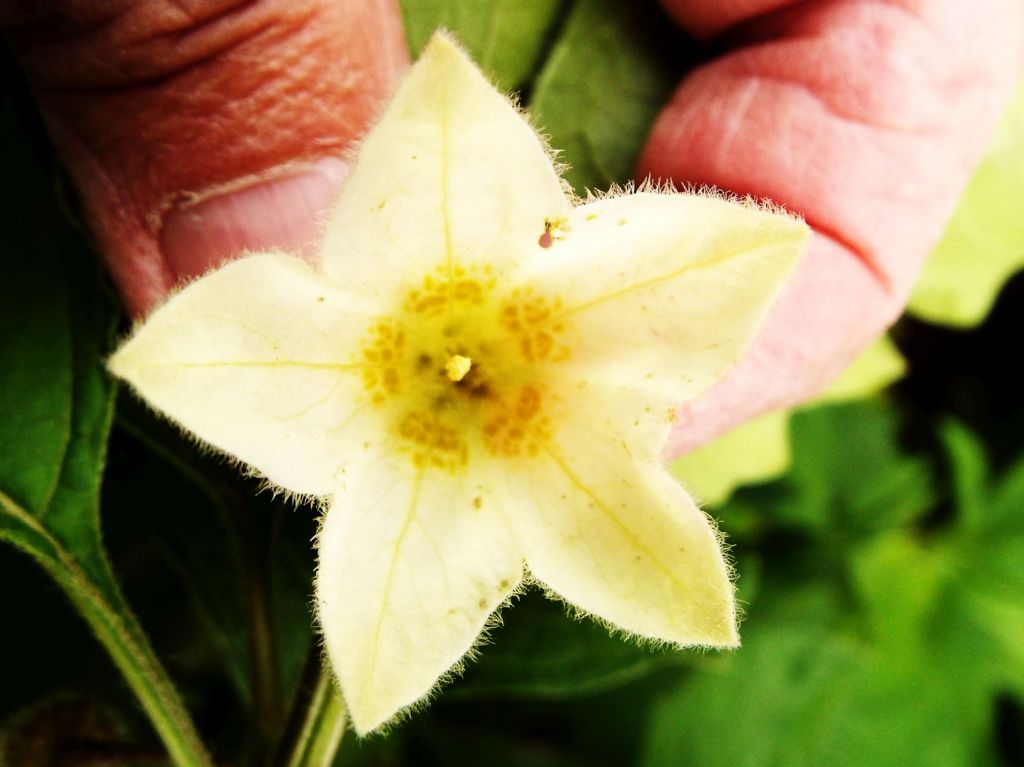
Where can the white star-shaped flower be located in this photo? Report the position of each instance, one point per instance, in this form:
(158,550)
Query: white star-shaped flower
(475,376)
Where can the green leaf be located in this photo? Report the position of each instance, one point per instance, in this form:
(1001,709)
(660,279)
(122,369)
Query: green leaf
(1006,508)
(764,703)
(899,580)
(604,83)
(55,411)
(56,406)
(541,652)
(980,613)
(851,472)
(805,689)
(990,584)
(894,715)
(989,593)
(506,37)
(55,401)
(969,474)
(917,624)
(984,242)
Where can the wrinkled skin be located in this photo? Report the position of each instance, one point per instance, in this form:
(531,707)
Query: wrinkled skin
(865,117)
(196,130)
(158,105)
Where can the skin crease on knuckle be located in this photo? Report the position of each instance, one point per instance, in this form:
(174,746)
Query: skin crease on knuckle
(154,103)
(865,117)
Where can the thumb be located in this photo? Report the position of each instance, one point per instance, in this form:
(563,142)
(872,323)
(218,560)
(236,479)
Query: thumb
(197,130)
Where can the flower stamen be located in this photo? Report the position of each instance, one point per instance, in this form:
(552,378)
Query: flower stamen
(457,367)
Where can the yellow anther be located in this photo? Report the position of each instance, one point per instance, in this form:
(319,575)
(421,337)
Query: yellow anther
(457,366)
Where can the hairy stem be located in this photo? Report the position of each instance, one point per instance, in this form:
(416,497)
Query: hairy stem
(318,720)
(118,630)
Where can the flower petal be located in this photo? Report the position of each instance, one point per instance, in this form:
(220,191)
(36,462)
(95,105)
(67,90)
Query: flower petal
(413,562)
(615,535)
(256,359)
(451,175)
(667,289)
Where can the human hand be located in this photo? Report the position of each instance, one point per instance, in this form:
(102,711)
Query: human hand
(196,136)
(865,117)
(197,130)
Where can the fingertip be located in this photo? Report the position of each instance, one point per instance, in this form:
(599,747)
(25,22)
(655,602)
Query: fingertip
(152,108)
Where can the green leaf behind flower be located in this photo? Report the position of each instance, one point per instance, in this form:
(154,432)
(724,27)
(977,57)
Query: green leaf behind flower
(507,40)
(55,401)
(851,471)
(541,652)
(602,87)
(885,641)
(56,404)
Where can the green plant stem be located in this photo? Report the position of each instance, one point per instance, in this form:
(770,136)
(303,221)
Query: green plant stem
(323,721)
(148,680)
(117,629)
(257,565)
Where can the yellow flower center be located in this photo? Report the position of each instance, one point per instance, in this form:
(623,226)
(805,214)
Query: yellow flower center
(461,368)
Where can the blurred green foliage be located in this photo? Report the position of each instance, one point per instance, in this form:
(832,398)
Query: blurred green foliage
(882,575)
(896,636)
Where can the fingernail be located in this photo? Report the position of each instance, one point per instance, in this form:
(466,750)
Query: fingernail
(281,213)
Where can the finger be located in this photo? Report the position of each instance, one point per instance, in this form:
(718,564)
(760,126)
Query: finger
(196,130)
(706,18)
(865,117)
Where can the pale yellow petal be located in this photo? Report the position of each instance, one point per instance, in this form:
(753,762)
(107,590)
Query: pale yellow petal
(258,360)
(452,176)
(413,563)
(613,534)
(666,289)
